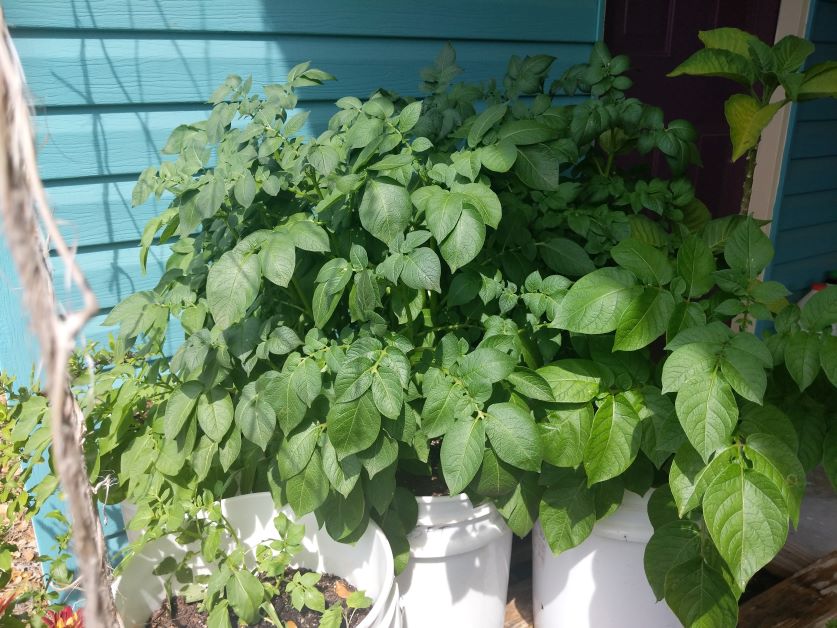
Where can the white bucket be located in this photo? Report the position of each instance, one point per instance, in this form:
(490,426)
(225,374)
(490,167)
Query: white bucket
(458,573)
(600,583)
(367,564)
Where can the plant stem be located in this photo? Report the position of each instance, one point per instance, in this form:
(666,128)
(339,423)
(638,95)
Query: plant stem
(302,298)
(748,180)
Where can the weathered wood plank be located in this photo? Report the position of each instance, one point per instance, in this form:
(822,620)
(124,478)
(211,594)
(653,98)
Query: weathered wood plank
(804,210)
(104,71)
(805,242)
(814,139)
(568,20)
(810,175)
(808,599)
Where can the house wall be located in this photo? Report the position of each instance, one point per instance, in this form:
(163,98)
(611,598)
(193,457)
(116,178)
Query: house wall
(805,214)
(112,78)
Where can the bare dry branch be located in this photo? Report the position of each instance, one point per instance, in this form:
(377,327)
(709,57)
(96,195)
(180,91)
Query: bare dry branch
(22,201)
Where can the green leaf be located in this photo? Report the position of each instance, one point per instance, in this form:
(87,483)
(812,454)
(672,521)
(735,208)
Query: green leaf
(538,167)
(484,121)
(566,257)
(307,490)
(708,412)
(232,286)
(499,157)
(179,407)
(215,413)
(386,392)
(385,209)
(595,302)
(245,594)
(650,265)
(521,132)
(462,452)
(565,433)
(245,189)
(278,391)
(690,476)
(699,596)
(323,158)
(254,416)
(444,401)
(614,439)
(409,116)
(309,236)
(531,384)
(774,460)
(747,519)
(828,358)
(277,259)
(484,200)
(821,309)
(211,196)
(422,269)
(768,419)
(691,361)
(520,508)
(465,240)
(672,544)
(441,209)
(324,303)
(714,62)
(644,319)
(353,426)
(726,38)
(342,474)
(748,249)
(296,449)
(747,118)
(695,264)
(802,358)
(572,381)
(353,379)
(820,81)
(567,510)
(745,373)
(494,478)
(514,436)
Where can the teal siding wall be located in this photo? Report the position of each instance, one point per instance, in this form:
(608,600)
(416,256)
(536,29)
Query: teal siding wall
(112,78)
(805,214)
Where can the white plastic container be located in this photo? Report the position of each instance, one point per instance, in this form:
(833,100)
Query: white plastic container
(601,583)
(367,564)
(458,573)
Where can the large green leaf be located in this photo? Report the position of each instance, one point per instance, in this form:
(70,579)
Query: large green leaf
(483,199)
(802,358)
(538,167)
(307,490)
(744,372)
(567,510)
(385,209)
(495,478)
(648,263)
(513,435)
(499,157)
(748,249)
(717,62)
(386,392)
(521,132)
(566,257)
(828,358)
(747,118)
(672,544)
(690,361)
(484,121)
(353,379)
(747,519)
(232,286)
(700,597)
(179,407)
(614,439)
(215,413)
(707,411)
(690,476)
(442,209)
(254,416)
(422,269)
(727,38)
(565,433)
(572,381)
(278,258)
(821,309)
(644,319)
(245,594)
(465,240)
(353,426)
(773,459)
(695,265)
(462,452)
(595,302)
(820,81)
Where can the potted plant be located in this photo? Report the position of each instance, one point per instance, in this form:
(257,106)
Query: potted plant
(730,449)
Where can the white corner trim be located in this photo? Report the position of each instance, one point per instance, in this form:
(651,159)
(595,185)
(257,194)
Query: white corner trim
(793,20)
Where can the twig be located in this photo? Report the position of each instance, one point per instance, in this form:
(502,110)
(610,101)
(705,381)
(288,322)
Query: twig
(22,202)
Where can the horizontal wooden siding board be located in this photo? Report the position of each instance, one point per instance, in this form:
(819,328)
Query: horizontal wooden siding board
(87,71)
(533,20)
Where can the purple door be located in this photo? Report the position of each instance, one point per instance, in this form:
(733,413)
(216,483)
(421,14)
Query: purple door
(657,35)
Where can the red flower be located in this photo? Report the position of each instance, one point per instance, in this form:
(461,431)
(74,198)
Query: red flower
(67,617)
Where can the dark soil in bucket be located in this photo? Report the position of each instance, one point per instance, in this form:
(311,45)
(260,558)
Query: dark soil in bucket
(183,614)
